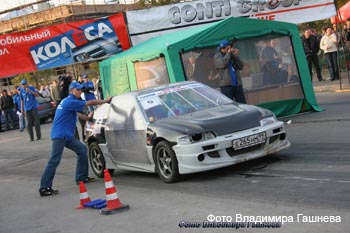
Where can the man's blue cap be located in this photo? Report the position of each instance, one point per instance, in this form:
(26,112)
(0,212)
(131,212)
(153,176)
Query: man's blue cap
(24,82)
(76,85)
(224,43)
(84,76)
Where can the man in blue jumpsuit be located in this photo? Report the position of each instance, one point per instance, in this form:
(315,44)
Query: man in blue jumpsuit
(62,135)
(88,90)
(29,108)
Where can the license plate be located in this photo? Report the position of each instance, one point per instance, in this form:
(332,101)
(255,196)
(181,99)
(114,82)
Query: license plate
(249,141)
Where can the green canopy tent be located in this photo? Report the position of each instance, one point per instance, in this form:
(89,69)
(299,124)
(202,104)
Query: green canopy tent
(285,91)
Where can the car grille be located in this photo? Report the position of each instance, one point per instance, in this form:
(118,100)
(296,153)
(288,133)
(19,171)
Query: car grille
(96,53)
(273,139)
(233,152)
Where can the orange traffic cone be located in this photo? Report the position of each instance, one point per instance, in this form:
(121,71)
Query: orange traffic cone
(84,196)
(113,203)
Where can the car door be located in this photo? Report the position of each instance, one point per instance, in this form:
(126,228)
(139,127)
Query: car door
(125,131)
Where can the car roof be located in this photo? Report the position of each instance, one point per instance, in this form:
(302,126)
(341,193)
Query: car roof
(160,87)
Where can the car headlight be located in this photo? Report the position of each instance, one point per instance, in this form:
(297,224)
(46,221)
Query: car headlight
(193,138)
(82,57)
(268,121)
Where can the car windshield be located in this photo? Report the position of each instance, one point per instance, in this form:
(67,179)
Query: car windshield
(180,99)
(41,100)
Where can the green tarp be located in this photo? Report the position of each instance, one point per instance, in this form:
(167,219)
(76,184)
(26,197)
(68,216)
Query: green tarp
(118,74)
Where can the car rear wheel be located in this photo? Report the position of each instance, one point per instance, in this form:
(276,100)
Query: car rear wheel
(97,161)
(43,120)
(166,162)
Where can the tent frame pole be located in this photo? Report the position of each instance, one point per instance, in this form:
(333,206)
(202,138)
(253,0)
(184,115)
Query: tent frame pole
(342,44)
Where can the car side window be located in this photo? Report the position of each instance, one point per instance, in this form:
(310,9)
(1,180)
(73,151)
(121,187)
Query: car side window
(125,114)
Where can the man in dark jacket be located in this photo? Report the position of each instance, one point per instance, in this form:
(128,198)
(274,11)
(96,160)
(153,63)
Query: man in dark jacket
(6,103)
(63,85)
(311,48)
(228,64)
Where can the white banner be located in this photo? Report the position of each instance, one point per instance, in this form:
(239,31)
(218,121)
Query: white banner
(146,23)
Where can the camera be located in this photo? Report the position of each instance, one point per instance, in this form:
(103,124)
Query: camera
(232,42)
(84,89)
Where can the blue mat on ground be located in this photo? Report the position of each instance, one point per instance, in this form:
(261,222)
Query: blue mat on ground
(96,204)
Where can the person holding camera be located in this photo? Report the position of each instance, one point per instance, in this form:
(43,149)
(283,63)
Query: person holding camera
(228,64)
(63,85)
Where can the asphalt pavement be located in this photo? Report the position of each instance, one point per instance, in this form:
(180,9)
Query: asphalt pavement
(308,185)
(327,85)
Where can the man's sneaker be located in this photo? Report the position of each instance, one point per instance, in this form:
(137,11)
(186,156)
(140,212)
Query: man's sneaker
(87,180)
(48,192)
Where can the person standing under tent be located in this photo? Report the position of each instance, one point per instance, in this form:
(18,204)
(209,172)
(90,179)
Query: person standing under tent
(228,64)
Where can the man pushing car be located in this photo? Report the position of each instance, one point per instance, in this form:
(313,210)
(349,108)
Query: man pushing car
(62,135)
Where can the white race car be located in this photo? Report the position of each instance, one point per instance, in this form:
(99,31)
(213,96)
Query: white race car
(180,128)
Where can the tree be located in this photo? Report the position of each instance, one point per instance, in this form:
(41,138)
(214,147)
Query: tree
(321,23)
(35,78)
(340,3)
(27,76)
(144,3)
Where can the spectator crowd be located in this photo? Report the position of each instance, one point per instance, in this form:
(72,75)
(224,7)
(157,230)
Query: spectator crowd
(323,50)
(14,103)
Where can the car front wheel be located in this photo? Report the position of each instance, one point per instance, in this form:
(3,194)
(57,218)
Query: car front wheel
(166,162)
(97,161)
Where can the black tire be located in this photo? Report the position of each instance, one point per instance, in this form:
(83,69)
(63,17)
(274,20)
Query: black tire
(97,161)
(43,120)
(166,162)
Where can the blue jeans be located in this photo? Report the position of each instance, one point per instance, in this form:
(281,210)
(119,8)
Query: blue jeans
(235,93)
(9,115)
(332,60)
(82,170)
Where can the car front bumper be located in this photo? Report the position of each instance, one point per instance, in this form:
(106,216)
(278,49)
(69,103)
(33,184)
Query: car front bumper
(219,152)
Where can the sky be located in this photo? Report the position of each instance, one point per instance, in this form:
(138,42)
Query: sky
(8,4)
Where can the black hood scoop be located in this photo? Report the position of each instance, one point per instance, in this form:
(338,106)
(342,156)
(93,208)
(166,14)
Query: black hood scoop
(221,120)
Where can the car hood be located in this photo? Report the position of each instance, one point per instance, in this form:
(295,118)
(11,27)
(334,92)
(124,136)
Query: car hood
(221,120)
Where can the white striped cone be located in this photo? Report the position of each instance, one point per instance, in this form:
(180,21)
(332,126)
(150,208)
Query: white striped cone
(84,196)
(113,201)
